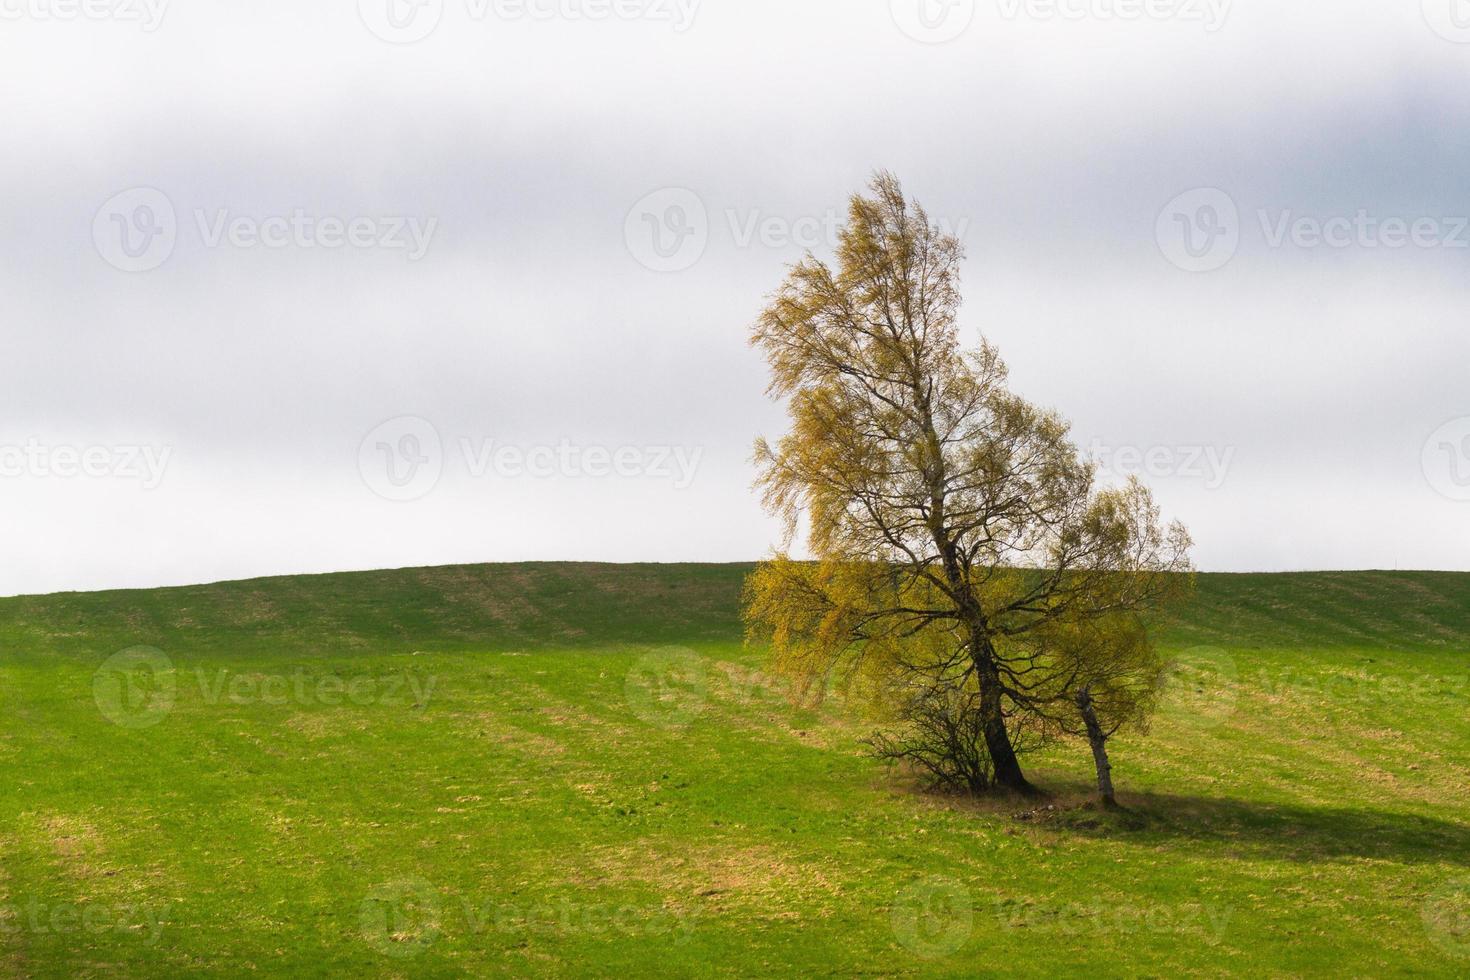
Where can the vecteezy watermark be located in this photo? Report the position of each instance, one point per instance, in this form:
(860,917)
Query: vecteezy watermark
(135,688)
(147,14)
(1446,459)
(401,21)
(754,226)
(747,686)
(138,230)
(939,21)
(1446,915)
(403,918)
(933,21)
(675,464)
(669,230)
(1209,13)
(1325,689)
(670,687)
(40,917)
(1099,917)
(667,687)
(1362,230)
(33,458)
(1200,230)
(1207,464)
(404,459)
(1450,19)
(139,687)
(298,229)
(407,21)
(303,689)
(1203,685)
(933,917)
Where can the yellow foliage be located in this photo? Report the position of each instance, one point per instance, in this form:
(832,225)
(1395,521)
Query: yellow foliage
(959,537)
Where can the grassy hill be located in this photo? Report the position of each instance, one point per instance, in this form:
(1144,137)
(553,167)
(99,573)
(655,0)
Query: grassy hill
(579,770)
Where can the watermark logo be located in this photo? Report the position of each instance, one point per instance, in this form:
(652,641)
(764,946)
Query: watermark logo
(1099,917)
(402,459)
(1446,459)
(408,21)
(140,686)
(147,14)
(1336,697)
(754,226)
(1210,13)
(933,21)
(1209,465)
(668,687)
(1362,230)
(401,919)
(1450,19)
(408,234)
(668,230)
(401,21)
(678,13)
(1446,916)
(135,688)
(307,690)
(1203,683)
(933,917)
(671,229)
(136,230)
(677,465)
(1199,231)
(40,918)
(144,464)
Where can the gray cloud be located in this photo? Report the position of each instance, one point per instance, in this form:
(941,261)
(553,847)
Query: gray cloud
(528,320)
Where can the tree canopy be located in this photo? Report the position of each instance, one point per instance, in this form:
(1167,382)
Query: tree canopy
(962,550)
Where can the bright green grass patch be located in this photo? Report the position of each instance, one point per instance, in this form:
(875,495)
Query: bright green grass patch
(579,770)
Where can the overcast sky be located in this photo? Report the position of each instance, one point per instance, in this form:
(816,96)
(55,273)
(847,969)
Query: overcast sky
(300,287)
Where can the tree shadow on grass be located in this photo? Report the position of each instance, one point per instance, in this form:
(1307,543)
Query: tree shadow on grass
(1290,831)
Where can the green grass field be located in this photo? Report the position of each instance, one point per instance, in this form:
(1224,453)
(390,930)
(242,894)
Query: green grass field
(579,770)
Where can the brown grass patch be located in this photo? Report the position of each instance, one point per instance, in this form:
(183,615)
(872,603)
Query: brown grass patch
(75,842)
(713,877)
(517,740)
(500,598)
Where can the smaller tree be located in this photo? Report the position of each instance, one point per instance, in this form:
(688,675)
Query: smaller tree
(1108,675)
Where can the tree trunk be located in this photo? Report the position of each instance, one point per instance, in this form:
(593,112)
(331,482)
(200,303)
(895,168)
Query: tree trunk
(997,739)
(1003,756)
(1099,743)
(982,654)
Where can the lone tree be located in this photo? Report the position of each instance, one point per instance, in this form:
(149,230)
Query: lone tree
(957,534)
